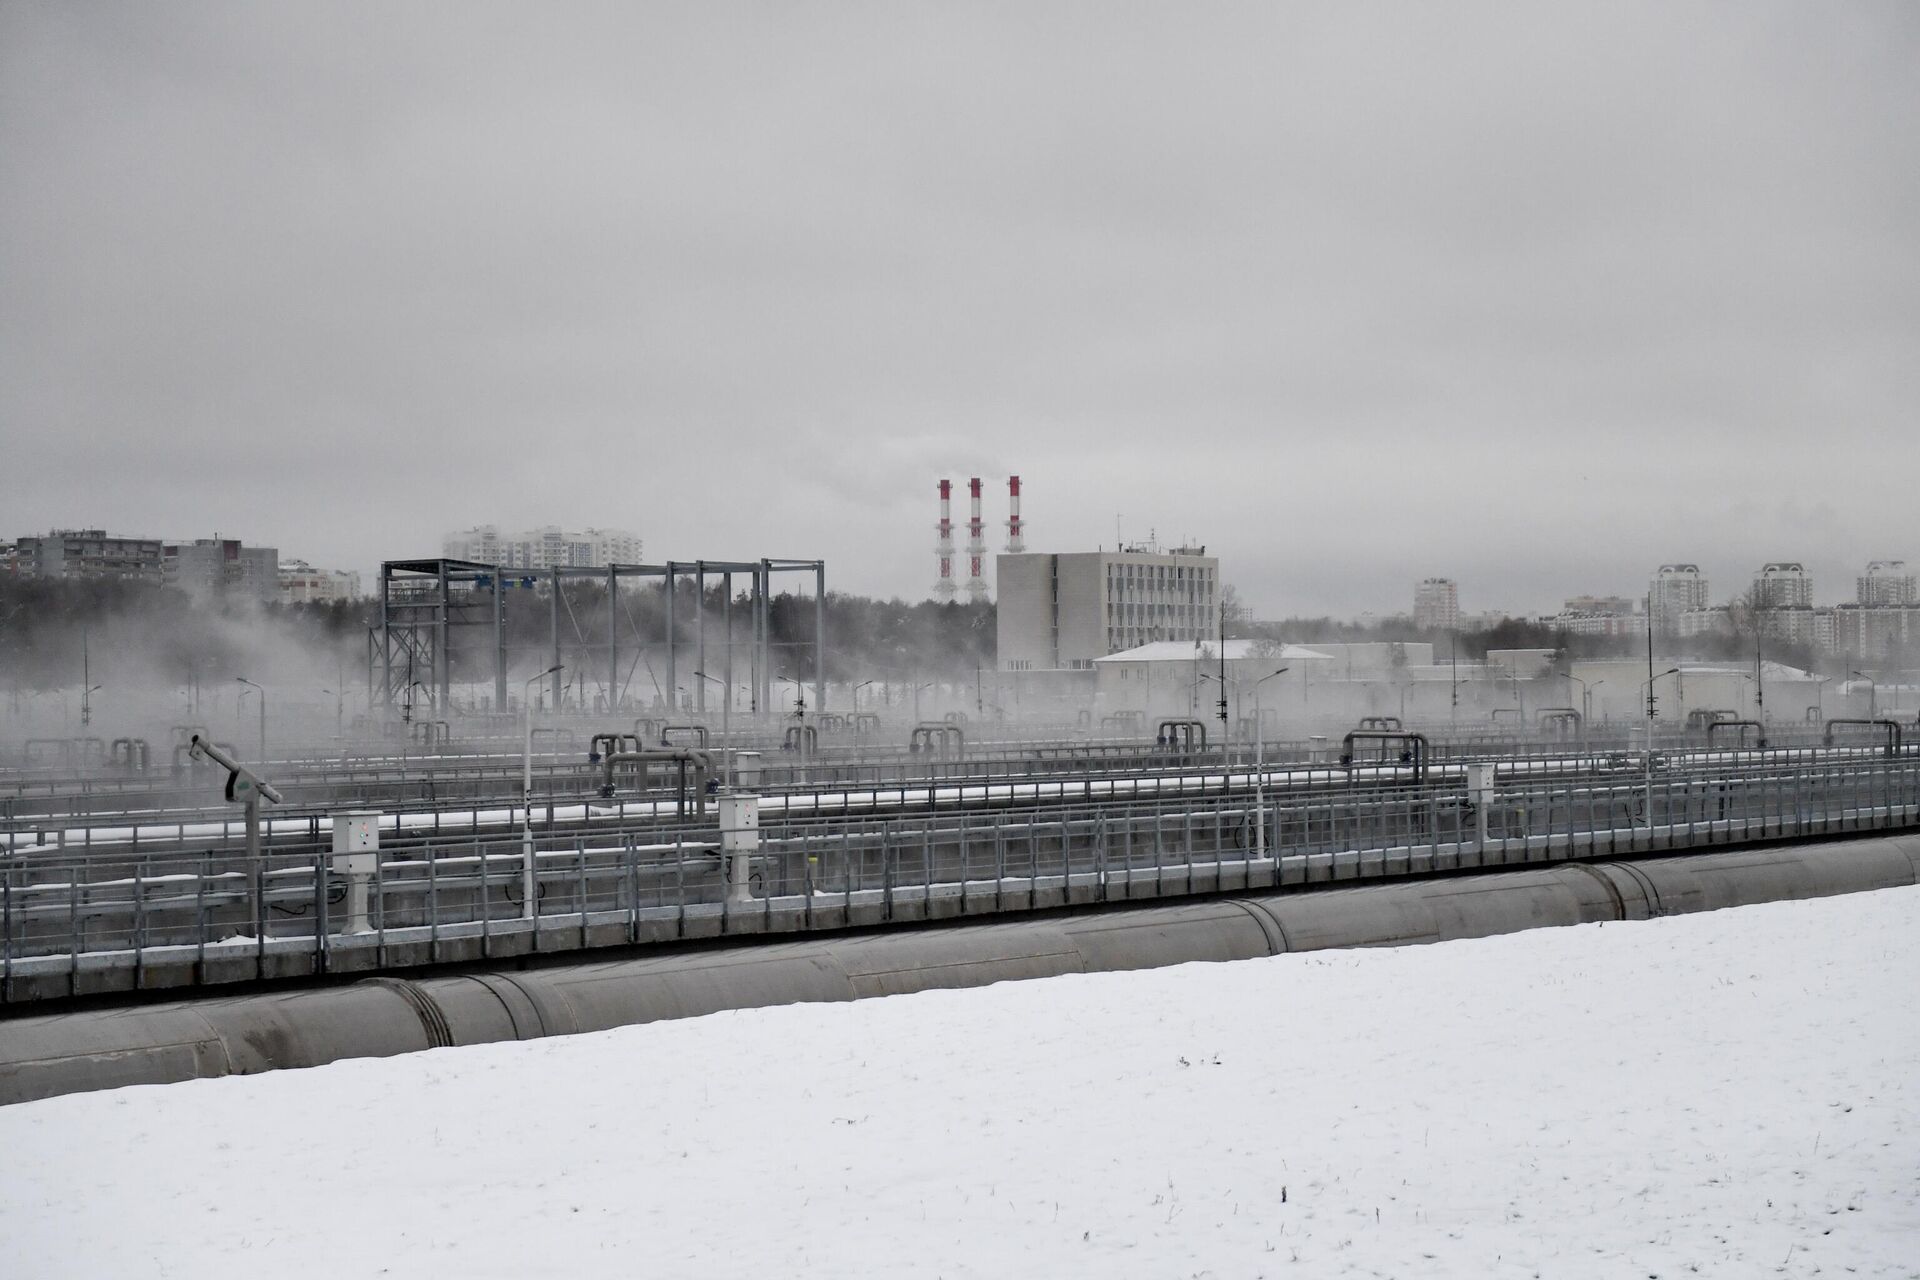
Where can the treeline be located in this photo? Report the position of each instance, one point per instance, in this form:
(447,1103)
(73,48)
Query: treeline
(147,633)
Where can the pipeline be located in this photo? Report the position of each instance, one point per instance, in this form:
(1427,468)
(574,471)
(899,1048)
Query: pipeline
(45,1055)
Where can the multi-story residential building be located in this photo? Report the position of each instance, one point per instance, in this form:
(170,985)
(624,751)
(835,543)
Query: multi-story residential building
(1600,605)
(213,568)
(89,553)
(547,547)
(1784,584)
(1436,605)
(1676,590)
(300,581)
(1886,582)
(1063,611)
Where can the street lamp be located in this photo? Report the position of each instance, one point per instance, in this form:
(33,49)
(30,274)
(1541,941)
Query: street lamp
(1260,770)
(856,692)
(799,696)
(263,714)
(1648,686)
(528,887)
(916,699)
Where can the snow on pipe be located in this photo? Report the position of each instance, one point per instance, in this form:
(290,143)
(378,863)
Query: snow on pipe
(50,1054)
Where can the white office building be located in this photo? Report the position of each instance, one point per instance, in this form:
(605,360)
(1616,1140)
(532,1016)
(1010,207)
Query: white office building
(1063,611)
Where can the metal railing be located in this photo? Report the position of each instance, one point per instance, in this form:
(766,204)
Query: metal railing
(429,897)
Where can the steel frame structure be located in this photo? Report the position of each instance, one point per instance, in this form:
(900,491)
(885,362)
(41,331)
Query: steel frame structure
(428,606)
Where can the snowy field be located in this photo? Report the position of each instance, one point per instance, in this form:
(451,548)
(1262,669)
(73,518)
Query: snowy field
(1734,1094)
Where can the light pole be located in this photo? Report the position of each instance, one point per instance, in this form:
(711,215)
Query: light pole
(1586,705)
(263,714)
(1260,770)
(856,692)
(528,887)
(339,712)
(916,699)
(799,697)
(1648,686)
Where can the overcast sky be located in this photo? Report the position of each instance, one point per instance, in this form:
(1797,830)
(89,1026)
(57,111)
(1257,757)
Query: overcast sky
(1528,295)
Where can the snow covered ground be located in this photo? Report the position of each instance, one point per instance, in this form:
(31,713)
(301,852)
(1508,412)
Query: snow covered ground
(1734,1094)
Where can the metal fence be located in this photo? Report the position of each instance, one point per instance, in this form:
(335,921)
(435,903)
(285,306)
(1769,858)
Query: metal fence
(73,922)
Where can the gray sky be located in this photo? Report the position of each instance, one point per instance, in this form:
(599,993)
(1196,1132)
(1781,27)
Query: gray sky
(1532,296)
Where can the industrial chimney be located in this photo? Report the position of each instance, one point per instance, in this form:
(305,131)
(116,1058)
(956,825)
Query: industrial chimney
(1016,532)
(976,548)
(943,587)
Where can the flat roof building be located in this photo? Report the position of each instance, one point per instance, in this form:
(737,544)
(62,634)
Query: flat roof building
(210,568)
(1065,610)
(1436,605)
(88,553)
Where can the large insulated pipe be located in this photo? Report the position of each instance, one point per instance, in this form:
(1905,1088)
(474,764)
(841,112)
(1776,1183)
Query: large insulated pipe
(48,1054)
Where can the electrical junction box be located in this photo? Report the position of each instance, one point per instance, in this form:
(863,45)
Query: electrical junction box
(356,842)
(739,823)
(746,768)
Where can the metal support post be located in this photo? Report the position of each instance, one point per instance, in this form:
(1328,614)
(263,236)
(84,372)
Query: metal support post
(672,690)
(442,659)
(613,643)
(499,639)
(700,632)
(553,632)
(820,637)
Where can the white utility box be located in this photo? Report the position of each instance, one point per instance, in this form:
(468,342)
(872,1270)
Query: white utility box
(746,768)
(739,838)
(356,855)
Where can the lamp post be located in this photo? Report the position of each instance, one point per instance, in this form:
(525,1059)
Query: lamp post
(916,699)
(856,692)
(1586,705)
(528,886)
(263,714)
(1648,686)
(1260,771)
(799,697)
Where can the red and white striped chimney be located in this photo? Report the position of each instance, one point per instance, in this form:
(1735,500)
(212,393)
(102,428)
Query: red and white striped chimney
(943,586)
(976,547)
(1016,531)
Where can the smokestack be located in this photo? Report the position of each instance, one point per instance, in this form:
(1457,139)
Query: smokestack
(943,587)
(976,547)
(1016,532)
